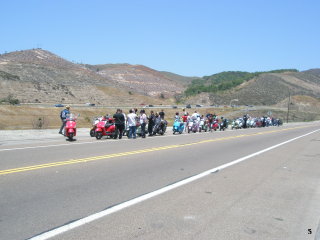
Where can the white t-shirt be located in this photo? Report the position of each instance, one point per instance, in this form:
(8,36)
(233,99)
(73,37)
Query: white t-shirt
(143,118)
(131,118)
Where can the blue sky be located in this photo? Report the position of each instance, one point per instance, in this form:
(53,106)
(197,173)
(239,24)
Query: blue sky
(187,37)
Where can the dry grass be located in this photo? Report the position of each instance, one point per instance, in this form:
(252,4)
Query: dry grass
(27,117)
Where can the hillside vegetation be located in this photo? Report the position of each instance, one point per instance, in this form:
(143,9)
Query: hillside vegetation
(224,81)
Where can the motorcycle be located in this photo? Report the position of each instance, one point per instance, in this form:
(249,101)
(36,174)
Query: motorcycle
(251,123)
(106,127)
(138,131)
(70,129)
(160,126)
(237,123)
(223,125)
(177,127)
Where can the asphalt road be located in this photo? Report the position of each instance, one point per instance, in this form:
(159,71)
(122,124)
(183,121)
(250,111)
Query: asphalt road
(165,187)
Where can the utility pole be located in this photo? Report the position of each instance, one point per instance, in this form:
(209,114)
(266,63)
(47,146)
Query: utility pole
(288,107)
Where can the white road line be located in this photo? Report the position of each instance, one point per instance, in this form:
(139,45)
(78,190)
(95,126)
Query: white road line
(147,196)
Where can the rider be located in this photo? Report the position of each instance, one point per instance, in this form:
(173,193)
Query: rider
(63,117)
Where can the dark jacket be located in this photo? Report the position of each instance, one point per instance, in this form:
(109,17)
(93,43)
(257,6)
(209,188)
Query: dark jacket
(119,119)
(152,119)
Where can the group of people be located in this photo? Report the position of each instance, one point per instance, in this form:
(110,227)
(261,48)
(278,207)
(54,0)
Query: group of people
(133,120)
(195,117)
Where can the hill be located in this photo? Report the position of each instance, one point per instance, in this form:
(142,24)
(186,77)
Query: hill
(40,76)
(184,81)
(314,71)
(140,79)
(266,88)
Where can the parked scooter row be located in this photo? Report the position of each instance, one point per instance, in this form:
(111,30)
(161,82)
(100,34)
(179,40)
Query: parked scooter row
(199,125)
(102,126)
(105,126)
(253,122)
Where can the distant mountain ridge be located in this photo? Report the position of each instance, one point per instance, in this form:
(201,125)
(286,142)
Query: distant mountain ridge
(40,76)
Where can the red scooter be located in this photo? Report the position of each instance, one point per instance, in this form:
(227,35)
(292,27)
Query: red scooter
(70,130)
(215,125)
(106,127)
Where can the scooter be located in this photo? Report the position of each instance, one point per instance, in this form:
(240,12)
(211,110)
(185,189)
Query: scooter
(70,130)
(177,127)
(138,130)
(195,126)
(237,123)
(190,126)
(201,124)
(215,125)
(106,128)
(95,121)
(160,126)
(223,125)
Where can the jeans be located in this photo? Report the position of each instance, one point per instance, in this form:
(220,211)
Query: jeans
(150,127)
(132,131)
(63,125)
(143,130)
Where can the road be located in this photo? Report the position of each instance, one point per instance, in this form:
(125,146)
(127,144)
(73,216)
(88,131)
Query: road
(241,184)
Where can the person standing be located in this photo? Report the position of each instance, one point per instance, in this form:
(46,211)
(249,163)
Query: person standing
(162,114)
(143,123)
(132,123)
(177,117)
(63,116)
(151,122)
(185,121)
(119,122)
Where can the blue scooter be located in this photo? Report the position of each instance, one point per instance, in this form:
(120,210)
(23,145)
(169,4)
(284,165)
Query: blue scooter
(177,127)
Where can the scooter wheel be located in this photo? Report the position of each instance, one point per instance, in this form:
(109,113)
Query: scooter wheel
(92,133)
(70,137)
(98,135)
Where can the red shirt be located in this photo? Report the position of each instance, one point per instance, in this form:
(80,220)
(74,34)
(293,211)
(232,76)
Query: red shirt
(184,118)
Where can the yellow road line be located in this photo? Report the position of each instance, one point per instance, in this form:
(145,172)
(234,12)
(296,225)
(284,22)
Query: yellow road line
(114,155)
